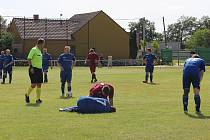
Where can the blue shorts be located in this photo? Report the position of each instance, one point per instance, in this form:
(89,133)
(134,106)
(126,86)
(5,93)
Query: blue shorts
(149,69)
(45,68)
(7,70)
(66,76)
(189,78)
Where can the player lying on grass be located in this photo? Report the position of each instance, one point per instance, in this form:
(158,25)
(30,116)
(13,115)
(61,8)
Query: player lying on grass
(193,71)
(149,61)
(66,62)
(92,60)
(7,64)
(102,90)
(91,105)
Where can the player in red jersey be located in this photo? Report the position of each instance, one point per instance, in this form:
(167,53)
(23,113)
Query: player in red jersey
(92,59)
(102,90)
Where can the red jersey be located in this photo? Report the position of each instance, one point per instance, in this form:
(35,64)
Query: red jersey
(92,58)
(96,91)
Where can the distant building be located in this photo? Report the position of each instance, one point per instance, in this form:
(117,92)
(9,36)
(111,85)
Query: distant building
(82,31)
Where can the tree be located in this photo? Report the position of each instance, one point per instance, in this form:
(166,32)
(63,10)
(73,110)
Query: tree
(204,22)
(149,26)
(182,29)
(6,40)
(201,38)
(156,46)
(132,44)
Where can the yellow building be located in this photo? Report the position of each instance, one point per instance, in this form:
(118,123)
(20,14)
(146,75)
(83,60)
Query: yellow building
(82,32)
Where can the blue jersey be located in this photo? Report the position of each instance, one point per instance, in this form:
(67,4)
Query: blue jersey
(149,58)
(194,65)
(8,59)
(46,57)
(66,61)
(93,105)
(1,61)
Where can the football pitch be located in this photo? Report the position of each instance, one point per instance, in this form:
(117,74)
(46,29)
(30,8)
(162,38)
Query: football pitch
(144,111)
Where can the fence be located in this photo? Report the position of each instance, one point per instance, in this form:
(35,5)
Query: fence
(178,58)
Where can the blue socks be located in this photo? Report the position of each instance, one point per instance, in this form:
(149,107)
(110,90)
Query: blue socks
(185,102)
(197,102)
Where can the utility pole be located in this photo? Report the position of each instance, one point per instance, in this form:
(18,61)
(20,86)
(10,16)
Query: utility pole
(143,28)
(164,32)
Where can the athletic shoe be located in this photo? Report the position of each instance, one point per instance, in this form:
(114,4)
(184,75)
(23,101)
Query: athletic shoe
(95,80)
(198,113)
(27,98)
(69,95)
(2,82)
(185,110)
(144,81)
(38,101)
(91,81)
(61,109)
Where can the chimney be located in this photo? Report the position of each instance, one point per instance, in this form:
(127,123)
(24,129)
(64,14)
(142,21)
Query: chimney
(36,17)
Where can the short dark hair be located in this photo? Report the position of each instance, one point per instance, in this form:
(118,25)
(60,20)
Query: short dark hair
(192,52)
(40,41)
(195,56)
(106,90)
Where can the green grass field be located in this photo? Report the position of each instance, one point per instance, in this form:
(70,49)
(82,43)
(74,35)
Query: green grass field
(144,111)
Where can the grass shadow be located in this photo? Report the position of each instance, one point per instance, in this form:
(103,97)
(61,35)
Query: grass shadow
(33,105)
(197,116)
(66,98)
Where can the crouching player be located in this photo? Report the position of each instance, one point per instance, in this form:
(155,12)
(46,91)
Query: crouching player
(91,105)
(92,59)
(193,71)
(149,60)
(7,64)
(65,62)
(46,59)
(102,90)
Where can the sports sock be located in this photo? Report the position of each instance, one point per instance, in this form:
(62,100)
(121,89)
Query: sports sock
(29,90)
(151,76)
(146,77)
(62,88)
(197,102)
(10,78)
(45,77)
(38,93)
(185,102)
(94,76)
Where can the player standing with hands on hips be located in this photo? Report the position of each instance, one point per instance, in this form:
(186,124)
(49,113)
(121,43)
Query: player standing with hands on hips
(149,60)
(35,70)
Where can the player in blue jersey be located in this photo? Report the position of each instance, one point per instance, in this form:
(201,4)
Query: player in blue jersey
(149,61)
(7,64)
(66,62)
(193,71)
(1,63)
(46,61)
